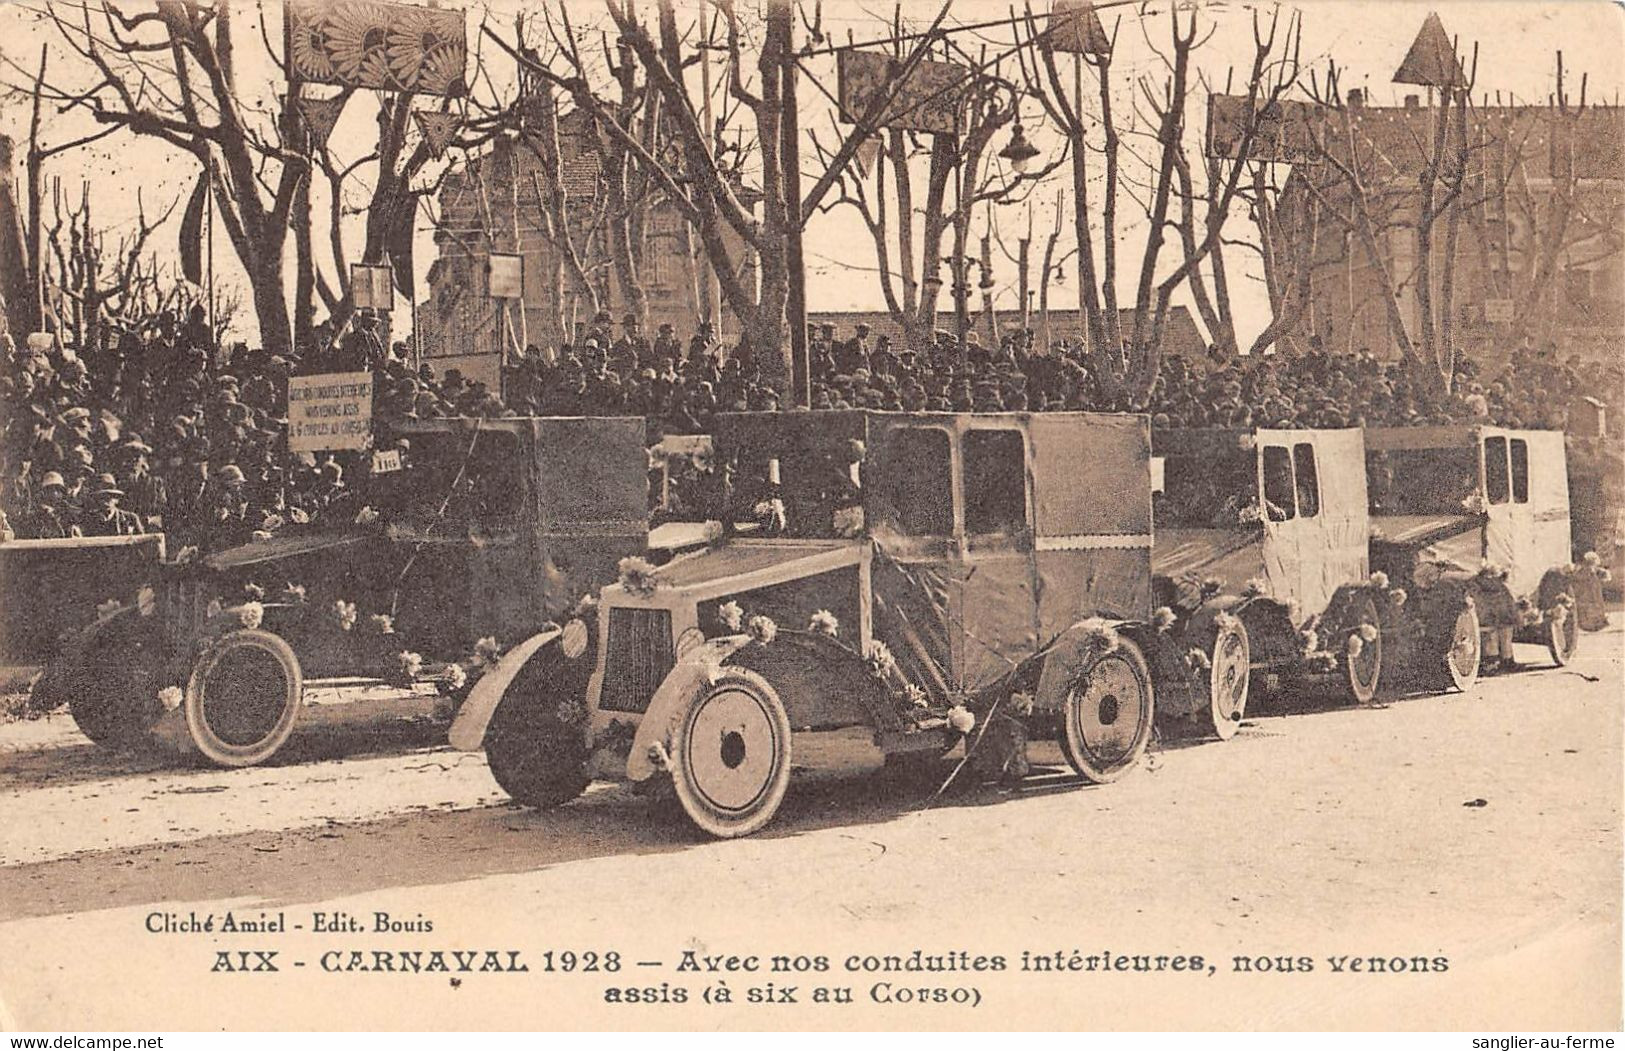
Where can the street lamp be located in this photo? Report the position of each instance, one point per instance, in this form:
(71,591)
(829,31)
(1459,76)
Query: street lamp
(1020,152)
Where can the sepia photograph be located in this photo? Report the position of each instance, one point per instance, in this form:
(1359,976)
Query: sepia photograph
(811,515)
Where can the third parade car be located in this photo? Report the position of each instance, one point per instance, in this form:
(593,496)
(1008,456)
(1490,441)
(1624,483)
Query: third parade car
(931,578)
(1262,565)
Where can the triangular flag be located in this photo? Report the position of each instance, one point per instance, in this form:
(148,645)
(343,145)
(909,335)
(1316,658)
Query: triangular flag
(1074,28)
(320,115)
(1431,60)
(437,128)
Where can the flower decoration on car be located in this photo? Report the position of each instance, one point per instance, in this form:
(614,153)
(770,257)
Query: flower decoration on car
(1379,580)
(1473,503)
(732,615)
(762,629)
(343,614)
(961,718)
(253,592)
(453,678)
(1163,618)
(637,575)
(407,667)
(381,624)
(823,622)
(251,614)
(170,697)
(486,651)
(878,656)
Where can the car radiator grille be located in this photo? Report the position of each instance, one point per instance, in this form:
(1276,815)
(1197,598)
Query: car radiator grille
(638,656)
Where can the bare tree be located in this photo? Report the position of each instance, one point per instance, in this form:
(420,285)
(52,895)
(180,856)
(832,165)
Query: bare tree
(1125,365)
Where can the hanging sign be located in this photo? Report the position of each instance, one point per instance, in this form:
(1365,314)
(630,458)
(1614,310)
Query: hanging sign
(507,276)
(372,286)
(932,99)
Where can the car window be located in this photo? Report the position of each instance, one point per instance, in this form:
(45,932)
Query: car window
(1495,470)
(916,481)
(995,482)
(1303,462)
(1520,471)
(1279,484)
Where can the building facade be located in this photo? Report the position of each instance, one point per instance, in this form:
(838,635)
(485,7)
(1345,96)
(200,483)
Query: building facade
(1538,250)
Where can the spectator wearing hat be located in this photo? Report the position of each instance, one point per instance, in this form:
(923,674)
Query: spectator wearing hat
(146,494)
(52,519)
(105,517)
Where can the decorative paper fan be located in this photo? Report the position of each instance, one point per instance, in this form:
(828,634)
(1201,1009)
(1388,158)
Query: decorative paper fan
(442,70)
(308,46)
(356,37)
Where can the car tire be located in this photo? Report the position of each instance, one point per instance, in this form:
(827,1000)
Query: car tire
(1229,678)
(243,697)
(1107,713)
(1364,671)
(1563,636)
(535,757)
(730,757)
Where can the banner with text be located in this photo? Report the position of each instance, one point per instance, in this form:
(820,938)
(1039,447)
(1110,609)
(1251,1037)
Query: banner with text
(329,412)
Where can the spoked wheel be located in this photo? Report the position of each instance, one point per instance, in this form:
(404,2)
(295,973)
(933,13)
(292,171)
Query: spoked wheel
(1563,636)
(1228,680)
(1465,648)
(1108,713)
(1363,660)
(243,698)
(731,755)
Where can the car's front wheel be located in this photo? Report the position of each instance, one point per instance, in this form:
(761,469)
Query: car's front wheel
(730,758)
(537,757)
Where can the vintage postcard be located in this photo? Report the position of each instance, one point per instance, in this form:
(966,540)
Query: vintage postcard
(811,515)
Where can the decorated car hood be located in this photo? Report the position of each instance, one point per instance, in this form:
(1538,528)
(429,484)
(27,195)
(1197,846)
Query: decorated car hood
(1421,530)
(277,548)
(751,562)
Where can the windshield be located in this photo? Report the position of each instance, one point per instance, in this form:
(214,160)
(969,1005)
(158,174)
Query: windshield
(1207,492)
(457,478)
(1422,481)
(812,493)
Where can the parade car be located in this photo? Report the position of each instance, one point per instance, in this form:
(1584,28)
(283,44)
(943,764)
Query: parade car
(1481,514)
(929,579)
(1261,564)
(471,532)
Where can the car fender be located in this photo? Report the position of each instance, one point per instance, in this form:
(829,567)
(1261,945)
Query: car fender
(468,729)
(671,699)
(1070,648)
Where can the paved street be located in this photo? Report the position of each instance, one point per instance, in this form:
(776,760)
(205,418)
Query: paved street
(1483,830)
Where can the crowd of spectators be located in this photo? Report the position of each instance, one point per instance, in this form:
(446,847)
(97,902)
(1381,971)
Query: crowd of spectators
(163,428)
